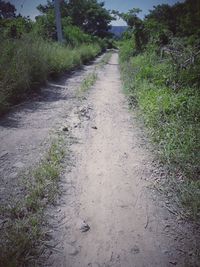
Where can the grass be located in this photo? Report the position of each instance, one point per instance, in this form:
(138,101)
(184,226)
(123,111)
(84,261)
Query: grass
(105,59)
(29,61)
(91,78)
(87,83)
(171,116)
(23,231)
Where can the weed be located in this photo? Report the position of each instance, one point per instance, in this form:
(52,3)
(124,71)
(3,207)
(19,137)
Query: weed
(23,228)
(105,59)
(171,117)
(87,82)
(27,62)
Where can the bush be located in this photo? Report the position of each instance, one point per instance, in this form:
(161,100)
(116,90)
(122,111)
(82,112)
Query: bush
(127,50)
(74,36)
(171,115)
(27,62)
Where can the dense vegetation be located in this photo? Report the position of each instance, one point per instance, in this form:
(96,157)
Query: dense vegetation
(160,64)
(30,53)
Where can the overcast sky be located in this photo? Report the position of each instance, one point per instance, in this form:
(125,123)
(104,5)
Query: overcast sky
(28,7)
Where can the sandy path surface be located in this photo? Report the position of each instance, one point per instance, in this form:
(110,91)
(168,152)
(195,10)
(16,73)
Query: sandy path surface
(108,190)
(25,131)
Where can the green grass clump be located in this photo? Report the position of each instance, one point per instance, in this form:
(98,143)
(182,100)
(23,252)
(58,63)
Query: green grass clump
(27,62)
(87,83)
(92,77)
(171,115)
(23,232)
(106,58)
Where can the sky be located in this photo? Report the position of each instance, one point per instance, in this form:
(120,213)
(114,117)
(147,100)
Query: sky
(28,7)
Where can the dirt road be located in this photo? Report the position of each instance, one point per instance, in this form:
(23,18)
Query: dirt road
(25,131)
(109,216)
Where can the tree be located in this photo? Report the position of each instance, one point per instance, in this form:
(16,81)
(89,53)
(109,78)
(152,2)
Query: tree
(7,10)
(89,15)
(164,15)
(136,25)
(187,16)
(12,26)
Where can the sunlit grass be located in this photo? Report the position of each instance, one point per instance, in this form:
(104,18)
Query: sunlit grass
(171,116)
(26,63)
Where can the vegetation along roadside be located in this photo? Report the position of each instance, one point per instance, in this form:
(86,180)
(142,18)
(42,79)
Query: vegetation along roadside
(24,227)
(160,66)
(30,53)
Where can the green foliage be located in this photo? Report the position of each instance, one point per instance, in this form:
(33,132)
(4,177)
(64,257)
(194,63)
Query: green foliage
(164,82)
(45,25)
(28,53)
(14,28)
(27,62)
(127,50)
(136,27)
(190,196)
(75,36)
(24,221)
(163,23)
(172,116)
(105,59)
(163,15)
(89,15)
(7,10)
(87,83)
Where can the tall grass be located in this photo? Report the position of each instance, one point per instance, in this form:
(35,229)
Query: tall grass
(27,62)
(172,117)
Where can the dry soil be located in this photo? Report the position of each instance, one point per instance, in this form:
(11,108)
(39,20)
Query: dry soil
(108,214)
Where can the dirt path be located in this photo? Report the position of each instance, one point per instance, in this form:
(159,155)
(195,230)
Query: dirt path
(25,131)
(108,190)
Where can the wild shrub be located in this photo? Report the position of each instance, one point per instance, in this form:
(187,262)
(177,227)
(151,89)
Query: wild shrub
(127,50)
(28,61)
(74,36)
(171,113)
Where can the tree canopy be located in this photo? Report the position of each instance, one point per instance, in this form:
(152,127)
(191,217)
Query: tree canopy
(89,15)
(164,22)
(7,10)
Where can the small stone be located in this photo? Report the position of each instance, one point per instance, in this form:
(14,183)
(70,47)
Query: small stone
(173,262)
(19,165)
(2,221)
(65,129)
(190,253)
(135,250)
(3,154)
(84,227)
(165,251)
